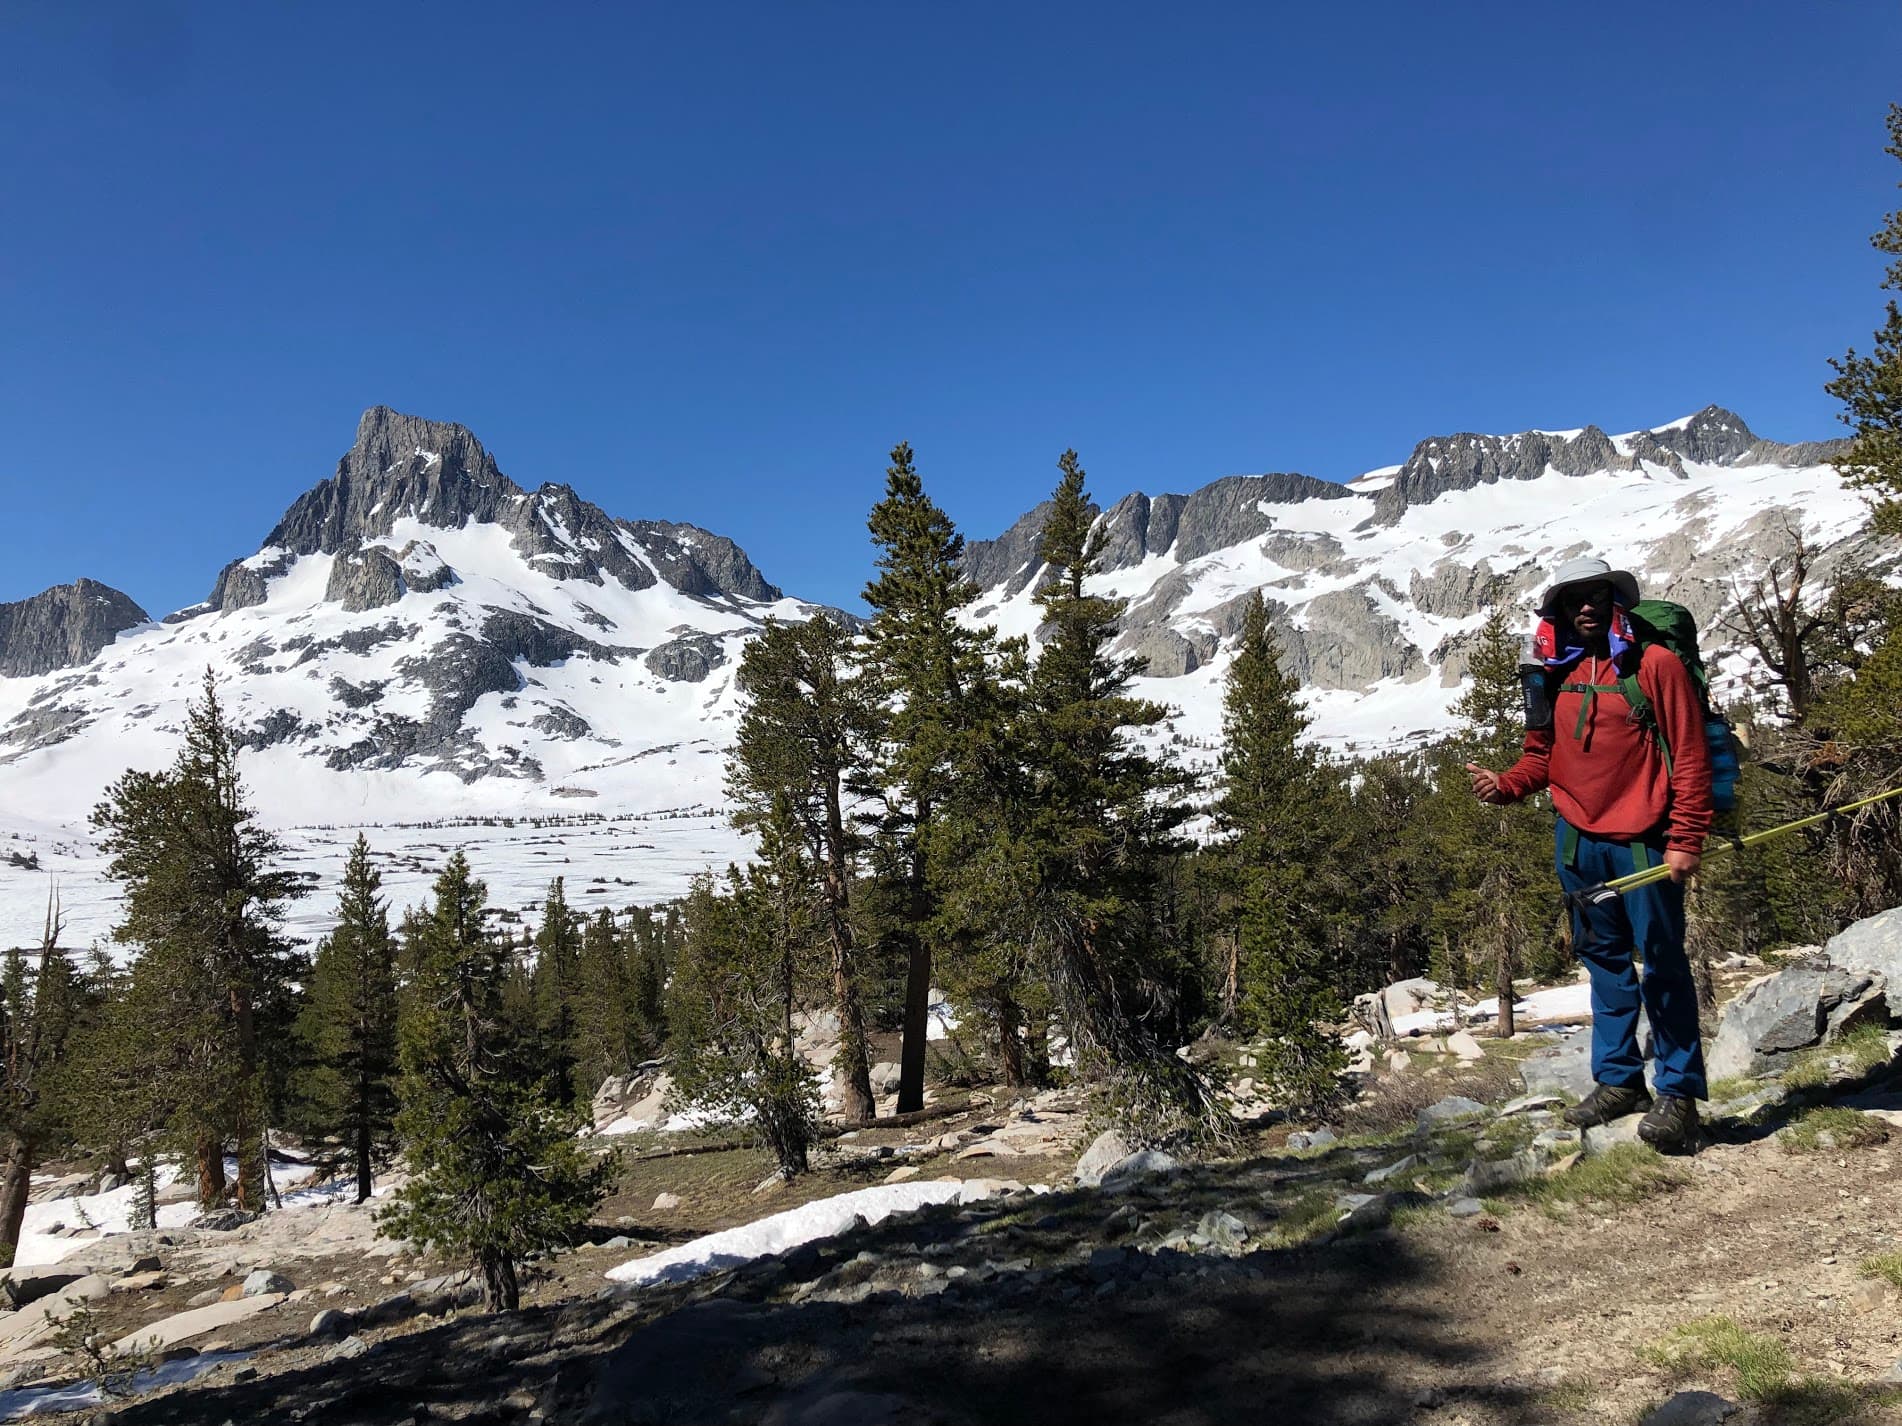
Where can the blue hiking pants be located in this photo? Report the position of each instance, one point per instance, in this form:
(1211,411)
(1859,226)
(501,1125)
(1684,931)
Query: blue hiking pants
(1649,921)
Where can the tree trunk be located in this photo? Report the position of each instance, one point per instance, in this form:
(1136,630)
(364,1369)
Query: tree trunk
(1231,978)
(499,1286)
(252,1165)
(852,1065)
(16,1181)
(1010,1049)
(917,1032)
(210,1150)
(1037,1048)
(1502,986)
(365,1181)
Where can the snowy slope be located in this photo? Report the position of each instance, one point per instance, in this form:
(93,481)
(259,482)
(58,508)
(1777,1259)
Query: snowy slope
(426,651)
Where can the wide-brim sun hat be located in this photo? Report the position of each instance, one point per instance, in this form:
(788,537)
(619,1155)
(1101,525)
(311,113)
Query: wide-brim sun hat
(1589,570)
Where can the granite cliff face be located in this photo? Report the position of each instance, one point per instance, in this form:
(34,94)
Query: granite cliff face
(63,626)
(437,474)
(1382,582)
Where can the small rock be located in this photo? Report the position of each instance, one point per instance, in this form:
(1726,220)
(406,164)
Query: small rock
(1525,1104)
(1693,1408)
(1465,1208)
(1393,1170)
(205,1298)
(619,1241)
(1223,1229)
(1601,1137)
(329,1323)
(1461,1043)
(1107,1150)
(1144,1163)
(1870,1295)
(139,1282)
(902,1172)
(1450,1110)
(1312,1138)
(149,1263)
(349,1347)
(1489,1175)
(264,1280)
(244,1371)
(666,1202)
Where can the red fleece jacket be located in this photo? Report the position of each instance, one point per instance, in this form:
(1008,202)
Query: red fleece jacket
(1611,780)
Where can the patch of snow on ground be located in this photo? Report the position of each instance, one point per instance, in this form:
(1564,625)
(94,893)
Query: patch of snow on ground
(45,1400)
(825,1218)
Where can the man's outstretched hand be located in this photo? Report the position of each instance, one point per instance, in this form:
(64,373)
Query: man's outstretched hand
(1682,864)
(1486,786)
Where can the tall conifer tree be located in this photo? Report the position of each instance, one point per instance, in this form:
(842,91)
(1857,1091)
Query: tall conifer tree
(1272,802)
(924,662)
(558,991)
(202,907)
(802,740)
(1102,814)
(349,1018)
(496,1170)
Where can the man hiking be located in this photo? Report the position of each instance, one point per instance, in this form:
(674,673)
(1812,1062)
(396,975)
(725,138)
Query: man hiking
(1632,788)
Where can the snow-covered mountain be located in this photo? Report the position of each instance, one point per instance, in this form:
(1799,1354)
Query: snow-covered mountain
(429,651)
(1378,586)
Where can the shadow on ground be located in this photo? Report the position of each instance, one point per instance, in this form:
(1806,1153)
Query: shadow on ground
(1033,1331)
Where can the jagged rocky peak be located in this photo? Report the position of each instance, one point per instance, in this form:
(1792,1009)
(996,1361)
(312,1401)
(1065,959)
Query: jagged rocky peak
(1222,513)
(63,626)
(439,475)
(1714,436)
(433,471)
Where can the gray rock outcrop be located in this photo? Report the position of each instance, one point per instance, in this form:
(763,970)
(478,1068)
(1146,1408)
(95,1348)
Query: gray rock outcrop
(1775,1018)
(687,659)
(364,579)
(1873,944)
(63,627)
(439,474)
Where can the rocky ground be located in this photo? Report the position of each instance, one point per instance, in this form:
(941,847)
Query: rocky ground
(1448,1253)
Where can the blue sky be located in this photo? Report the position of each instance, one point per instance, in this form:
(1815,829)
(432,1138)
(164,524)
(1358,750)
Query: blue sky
(708,262)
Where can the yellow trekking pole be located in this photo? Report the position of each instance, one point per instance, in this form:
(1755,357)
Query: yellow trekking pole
(1599,894)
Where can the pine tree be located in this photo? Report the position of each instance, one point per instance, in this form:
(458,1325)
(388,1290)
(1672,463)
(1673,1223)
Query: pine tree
(202,905)
(1271,804)
(1854,730)
(38,1007)
(607,1040)
(802,740)
(924,661)
(496,1170)
(1870,387)
(349,1018)
(1501,900)
(557,991)
(1101,820)
(744,973)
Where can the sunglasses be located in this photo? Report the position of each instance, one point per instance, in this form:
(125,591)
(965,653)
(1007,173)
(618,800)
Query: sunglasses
(1577,596)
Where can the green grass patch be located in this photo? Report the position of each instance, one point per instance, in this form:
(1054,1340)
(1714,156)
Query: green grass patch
(1861,1050)
(1886,1266)
(1304,1219)
(1763,1370)
(1575,1393)
(1736,1087)
(1829,1128)
(1625,1173)
(1760,1363)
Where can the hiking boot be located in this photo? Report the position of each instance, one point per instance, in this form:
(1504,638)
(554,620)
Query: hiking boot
(1671,1124)
(1607,1102)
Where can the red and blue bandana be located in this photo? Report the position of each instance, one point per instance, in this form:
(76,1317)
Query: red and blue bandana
(1548,648)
